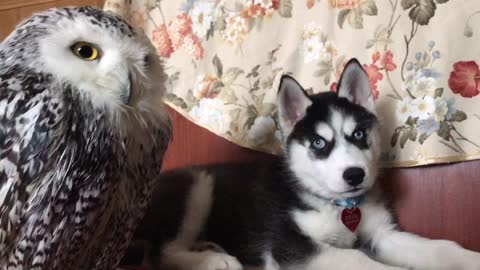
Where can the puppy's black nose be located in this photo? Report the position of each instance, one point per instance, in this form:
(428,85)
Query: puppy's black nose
(354,176)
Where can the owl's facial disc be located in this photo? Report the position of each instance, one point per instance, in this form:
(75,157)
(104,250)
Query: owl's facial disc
(109,66)
(89,52)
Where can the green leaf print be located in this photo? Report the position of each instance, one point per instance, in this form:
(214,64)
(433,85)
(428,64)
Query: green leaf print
(369,8)
(444,131)
(458,116)
(342,16)
(285,8)
(406,4)
(423,11)
(218,66)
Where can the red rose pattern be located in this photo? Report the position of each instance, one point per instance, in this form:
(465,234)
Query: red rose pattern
(465,79)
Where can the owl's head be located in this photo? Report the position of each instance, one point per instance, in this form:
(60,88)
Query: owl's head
(96,52)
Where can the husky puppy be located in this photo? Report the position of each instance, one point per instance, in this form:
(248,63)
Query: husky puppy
(313,208)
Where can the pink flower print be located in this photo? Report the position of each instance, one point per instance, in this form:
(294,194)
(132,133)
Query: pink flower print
(333,87)
(162,41)
(180,27)
(310,3)
(252,11)
(275,4)
(387,61)
(192,45)
(374,75)
(344,4)
(375,57)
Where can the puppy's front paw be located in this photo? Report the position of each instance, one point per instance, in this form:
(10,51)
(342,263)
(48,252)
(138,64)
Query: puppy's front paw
(205,245)
(393,268)
(457,258)
(471,260)
(218,261)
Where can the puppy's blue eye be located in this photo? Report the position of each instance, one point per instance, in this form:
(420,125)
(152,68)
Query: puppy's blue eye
(358,135)
(319,143)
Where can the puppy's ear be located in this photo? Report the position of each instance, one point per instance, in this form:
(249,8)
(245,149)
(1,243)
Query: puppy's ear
(354,85)
(292,103)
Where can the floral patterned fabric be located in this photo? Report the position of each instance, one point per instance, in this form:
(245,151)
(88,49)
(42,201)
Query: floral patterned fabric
(224,60)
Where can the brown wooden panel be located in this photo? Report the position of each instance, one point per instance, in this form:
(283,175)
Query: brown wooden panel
(15,4)
(98,3)
(26,11)
(12,4)
(9,18)
(193,145)
(438,201)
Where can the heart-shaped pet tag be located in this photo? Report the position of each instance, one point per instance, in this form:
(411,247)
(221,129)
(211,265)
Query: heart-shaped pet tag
(351,218)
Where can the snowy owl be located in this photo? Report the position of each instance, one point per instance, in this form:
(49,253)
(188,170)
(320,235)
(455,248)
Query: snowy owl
(82,136)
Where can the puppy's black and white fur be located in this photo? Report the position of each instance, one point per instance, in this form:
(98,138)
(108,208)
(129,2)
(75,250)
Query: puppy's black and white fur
(279,214)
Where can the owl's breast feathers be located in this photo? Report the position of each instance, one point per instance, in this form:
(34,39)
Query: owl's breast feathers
(69,177)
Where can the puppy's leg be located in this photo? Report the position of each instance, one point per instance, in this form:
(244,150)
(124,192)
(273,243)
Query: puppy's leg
(181,259)
(205,245)
(408,250)
(401,248)
(180,254)
(343,259)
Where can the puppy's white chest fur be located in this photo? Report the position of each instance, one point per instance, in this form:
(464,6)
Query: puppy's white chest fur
(325,226)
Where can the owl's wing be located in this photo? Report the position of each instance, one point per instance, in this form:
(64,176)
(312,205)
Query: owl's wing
(27,122)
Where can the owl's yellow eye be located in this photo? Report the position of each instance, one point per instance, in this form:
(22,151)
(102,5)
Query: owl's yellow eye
(85,50)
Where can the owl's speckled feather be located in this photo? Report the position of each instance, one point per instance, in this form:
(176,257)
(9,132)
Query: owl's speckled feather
(81,143)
